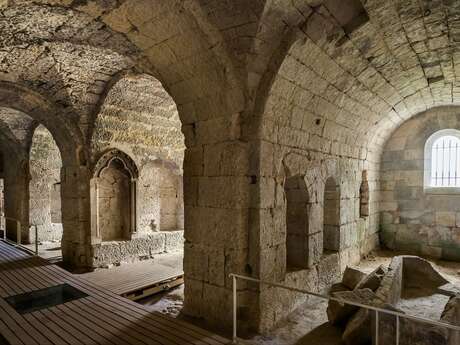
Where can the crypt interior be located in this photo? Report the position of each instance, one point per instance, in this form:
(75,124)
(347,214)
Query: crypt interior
(152,149)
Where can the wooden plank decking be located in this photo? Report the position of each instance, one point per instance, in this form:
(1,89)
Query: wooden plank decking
(129,278)
(101,318)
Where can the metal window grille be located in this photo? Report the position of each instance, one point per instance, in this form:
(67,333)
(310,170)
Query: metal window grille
(445,162)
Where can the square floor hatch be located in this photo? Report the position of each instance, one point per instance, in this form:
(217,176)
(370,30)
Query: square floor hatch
(44,298)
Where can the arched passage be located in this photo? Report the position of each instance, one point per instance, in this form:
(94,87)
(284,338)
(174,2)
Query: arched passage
(138,117)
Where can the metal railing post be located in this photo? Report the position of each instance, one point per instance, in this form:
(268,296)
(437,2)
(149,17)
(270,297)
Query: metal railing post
(376,327)
(235,310)
(36,240)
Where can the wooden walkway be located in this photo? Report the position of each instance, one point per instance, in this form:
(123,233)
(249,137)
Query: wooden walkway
(139,279)
(100,318)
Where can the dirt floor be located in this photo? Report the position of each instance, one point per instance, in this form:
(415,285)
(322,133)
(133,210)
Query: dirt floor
(308,324)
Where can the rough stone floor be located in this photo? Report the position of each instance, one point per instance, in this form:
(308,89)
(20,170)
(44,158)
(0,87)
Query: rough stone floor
(308,324)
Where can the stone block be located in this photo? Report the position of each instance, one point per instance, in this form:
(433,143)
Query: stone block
(174,240)
(329,270)
(439,236)
(445,218)
(373,280)
(352,277)
(339,313)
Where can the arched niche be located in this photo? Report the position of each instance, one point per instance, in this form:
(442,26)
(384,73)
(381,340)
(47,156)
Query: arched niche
(297,222)
(364,196)
(331,218)
(114,197)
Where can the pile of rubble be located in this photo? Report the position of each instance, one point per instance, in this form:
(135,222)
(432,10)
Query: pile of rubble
(385,288)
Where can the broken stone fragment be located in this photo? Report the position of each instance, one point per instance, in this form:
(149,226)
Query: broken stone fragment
(451,315)
(416,268)
(352,277)
(358,330)
(338,287)
(339,313)
(449,290)
(373,280)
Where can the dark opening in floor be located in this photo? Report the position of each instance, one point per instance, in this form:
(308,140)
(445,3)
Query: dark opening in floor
(44,298)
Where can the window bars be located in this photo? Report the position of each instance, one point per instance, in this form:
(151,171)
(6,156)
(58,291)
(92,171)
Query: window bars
(445,162)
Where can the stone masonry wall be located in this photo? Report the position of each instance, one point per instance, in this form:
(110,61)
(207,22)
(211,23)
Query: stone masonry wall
(414,220)
(44,187)
(115,252)
(311,127)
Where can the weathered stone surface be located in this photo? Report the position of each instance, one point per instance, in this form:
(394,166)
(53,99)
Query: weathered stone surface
(359,329)
(451,315)
(420,272)
(338,313)
(407,278)
(137,248)
(338,287)
(352,277)
(373,280)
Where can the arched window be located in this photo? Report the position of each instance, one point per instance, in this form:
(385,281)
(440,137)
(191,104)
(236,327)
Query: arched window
(442,159)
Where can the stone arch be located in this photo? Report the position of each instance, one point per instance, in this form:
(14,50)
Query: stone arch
(114,154)
(331,217)
(66,133)
(114,197)
(74,174)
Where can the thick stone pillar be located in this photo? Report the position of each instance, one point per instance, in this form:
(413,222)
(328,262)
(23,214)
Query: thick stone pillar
(75,196)
(216,198)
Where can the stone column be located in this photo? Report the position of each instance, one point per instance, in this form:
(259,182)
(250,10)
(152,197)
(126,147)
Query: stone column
(133,208)
(75,196)
(94,197)
(216,197)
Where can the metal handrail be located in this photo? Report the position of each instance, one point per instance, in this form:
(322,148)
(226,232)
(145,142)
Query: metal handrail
(329,298)
(19,233)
